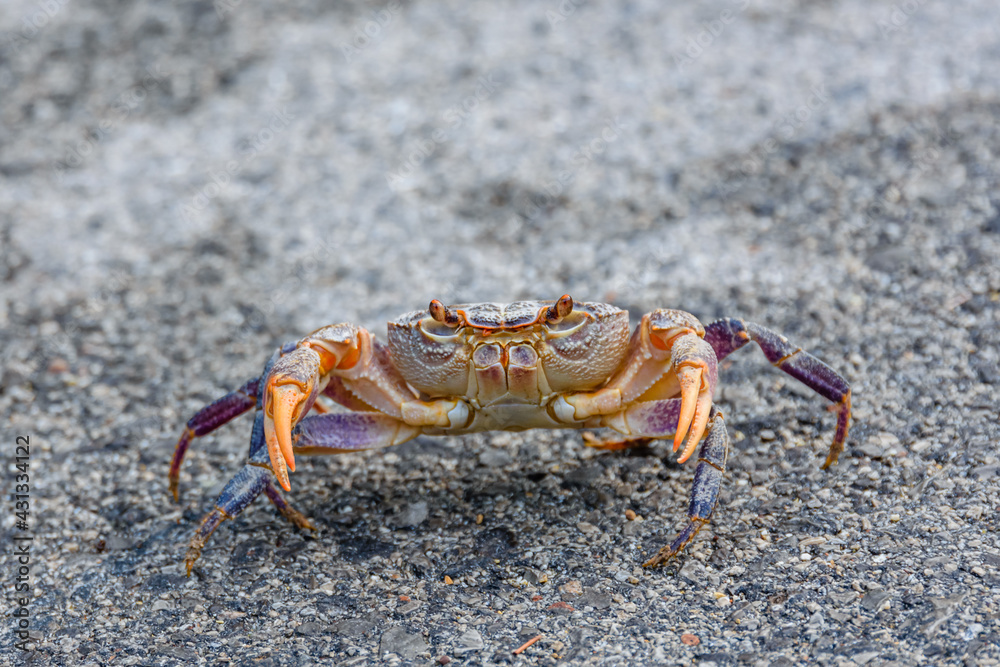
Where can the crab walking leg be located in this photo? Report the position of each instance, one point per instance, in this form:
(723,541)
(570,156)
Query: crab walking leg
(247,484)
(287,511)
(220,412)
(705,490)
(319,434)
(728,335)
(238,493)
(647,419)
(208,419)
(338,433)
(660,419)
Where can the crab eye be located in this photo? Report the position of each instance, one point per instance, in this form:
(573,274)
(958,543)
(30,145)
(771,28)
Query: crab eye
(560,316)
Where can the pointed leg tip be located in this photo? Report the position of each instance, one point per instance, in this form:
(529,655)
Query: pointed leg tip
(660,559)
(831,460)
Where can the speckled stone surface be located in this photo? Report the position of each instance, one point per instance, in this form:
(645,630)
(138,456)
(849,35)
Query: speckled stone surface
(187,184)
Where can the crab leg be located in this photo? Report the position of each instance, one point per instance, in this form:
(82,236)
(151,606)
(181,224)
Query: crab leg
(648,419)
(320,434)
(208,419)
(218,413)
(728,335)
(704,492)
(339,433)
(247,484)
(658,419)
(238,493)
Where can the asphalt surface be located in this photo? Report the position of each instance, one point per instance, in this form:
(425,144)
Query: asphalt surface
(186,185)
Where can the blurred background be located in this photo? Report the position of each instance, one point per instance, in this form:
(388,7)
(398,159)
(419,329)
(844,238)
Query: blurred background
(184,185)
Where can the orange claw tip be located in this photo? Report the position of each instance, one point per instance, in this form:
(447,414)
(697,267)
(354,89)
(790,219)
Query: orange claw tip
(281,472)
(274,452)
(692,443)
(283,480)
(285,402)
(690,381)
(702,413)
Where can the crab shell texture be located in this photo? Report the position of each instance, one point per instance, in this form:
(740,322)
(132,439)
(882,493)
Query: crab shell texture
(495,354)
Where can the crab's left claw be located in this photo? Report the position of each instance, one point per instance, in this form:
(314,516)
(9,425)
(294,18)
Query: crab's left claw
(289,391)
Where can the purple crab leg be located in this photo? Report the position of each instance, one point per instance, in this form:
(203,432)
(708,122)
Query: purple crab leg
(728,335)
(319,434)
(704,491)
(255,477)
(659,419)
(208,419)
(654,419)
(216,414)
(336,433)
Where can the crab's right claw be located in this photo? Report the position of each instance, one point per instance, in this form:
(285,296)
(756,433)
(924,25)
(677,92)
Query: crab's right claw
(694,363)
(696,405)
(289,391)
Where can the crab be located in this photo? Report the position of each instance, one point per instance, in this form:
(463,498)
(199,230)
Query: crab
(451,370)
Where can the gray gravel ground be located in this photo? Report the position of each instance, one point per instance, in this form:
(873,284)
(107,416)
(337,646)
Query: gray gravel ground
(186,185)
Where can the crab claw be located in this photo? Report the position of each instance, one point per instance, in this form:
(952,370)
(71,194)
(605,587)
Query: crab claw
(289,392)
(696,406)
